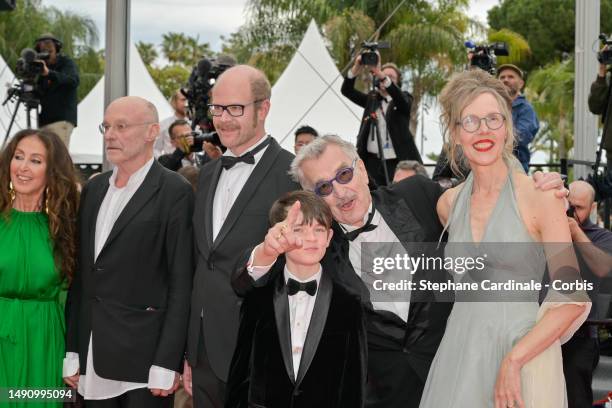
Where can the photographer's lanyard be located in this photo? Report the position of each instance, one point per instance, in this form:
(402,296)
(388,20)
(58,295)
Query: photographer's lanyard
(372,147)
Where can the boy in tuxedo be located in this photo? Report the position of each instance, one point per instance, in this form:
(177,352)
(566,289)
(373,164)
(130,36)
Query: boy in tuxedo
(301,341)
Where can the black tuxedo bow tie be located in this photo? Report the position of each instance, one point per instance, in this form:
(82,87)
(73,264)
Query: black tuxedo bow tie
(294,287)
(368,226)
(249,157)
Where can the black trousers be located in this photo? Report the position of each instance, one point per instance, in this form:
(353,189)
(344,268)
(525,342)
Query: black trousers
(138,398)
(580,358)
(208,389)
(392,383)
(375,168)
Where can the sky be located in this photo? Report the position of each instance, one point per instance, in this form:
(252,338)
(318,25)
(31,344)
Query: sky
(208,19)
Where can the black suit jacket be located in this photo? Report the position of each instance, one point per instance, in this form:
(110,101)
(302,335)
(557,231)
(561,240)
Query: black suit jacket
(397,118)
(332,370)
(134,297)
(245,226)
(408,207)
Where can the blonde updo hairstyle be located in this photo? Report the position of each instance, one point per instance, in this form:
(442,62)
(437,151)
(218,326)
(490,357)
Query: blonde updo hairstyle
(462,89)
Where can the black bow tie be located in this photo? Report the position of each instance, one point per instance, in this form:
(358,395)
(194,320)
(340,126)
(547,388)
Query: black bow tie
(249,157)
(368,226)
(294,287)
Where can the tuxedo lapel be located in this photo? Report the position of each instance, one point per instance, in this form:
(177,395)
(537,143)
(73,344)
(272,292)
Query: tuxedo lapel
(259,172)
(400,219)
(208,205)
(96,197)
(147,189)
(316,326)
(283,323)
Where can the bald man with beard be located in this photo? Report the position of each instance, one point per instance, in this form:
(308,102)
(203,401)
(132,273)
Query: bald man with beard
(128,305)
(233,198)
(594,249)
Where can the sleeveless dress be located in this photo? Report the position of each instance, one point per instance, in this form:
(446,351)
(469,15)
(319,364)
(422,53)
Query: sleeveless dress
(31,317)
(479,334)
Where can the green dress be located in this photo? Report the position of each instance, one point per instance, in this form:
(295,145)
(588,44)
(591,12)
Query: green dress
(31,317)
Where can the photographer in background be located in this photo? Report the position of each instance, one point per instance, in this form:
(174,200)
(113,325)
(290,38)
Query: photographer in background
(57,88)
(593,246)
(182,139)
(163,145)
(524,118)
(392,109)
(600,101)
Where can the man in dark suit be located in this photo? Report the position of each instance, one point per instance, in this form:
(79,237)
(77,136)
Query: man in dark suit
(128,305)
(391,106)
(302,337)
(234,196)
(402,335)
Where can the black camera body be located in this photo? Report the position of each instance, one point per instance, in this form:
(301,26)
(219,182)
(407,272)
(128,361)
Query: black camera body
(485,55)
(29,65)
(368,52)
(199,138)
(605,56)
(201,81)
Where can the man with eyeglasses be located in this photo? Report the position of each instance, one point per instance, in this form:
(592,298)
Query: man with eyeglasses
(233,198)
(128,305)
(593,246)
(403,334)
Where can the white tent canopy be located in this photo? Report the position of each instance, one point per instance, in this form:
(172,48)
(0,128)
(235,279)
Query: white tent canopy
(308,92)
(86,141)
(7,79)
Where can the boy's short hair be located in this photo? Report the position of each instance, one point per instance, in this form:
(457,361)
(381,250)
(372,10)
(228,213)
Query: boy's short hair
(313,207)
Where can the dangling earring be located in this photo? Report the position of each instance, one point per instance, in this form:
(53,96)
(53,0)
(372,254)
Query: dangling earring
(47,200)
(11,191)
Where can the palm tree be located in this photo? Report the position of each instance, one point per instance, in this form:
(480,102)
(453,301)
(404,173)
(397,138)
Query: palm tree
(551,90)
(147,52)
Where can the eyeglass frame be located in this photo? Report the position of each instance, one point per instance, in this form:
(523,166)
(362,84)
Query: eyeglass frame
(460,122)
(319,184)
(104,129)
(225,108)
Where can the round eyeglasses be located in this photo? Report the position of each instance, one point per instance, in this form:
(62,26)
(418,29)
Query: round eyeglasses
(343,176)
(471,123)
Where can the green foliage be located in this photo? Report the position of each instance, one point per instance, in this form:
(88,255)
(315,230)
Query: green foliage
(20,28)
(169,78)
(547,25)
(147,52)
(551,91)
(184,50)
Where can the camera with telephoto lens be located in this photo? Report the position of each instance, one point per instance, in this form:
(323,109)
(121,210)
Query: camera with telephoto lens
(29,66)
(368,52)
(202,78)
(198,141)
(485,56)
(605,56)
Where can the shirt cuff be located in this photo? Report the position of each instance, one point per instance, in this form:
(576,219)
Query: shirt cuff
(256,272)
(161,378)
(349,74)
(71,364)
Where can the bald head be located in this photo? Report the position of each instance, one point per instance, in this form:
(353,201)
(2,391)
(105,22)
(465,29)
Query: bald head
(136,106)
(582,198)
(242,75)
(583,190)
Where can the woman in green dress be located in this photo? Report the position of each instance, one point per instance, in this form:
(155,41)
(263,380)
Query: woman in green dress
(38,205)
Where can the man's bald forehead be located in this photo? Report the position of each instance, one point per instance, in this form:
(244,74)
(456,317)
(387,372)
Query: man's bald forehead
(582,188)
(137,105)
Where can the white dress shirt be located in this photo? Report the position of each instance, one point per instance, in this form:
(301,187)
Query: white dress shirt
(301,306)
(231,183)
(92,386)
(381,234)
